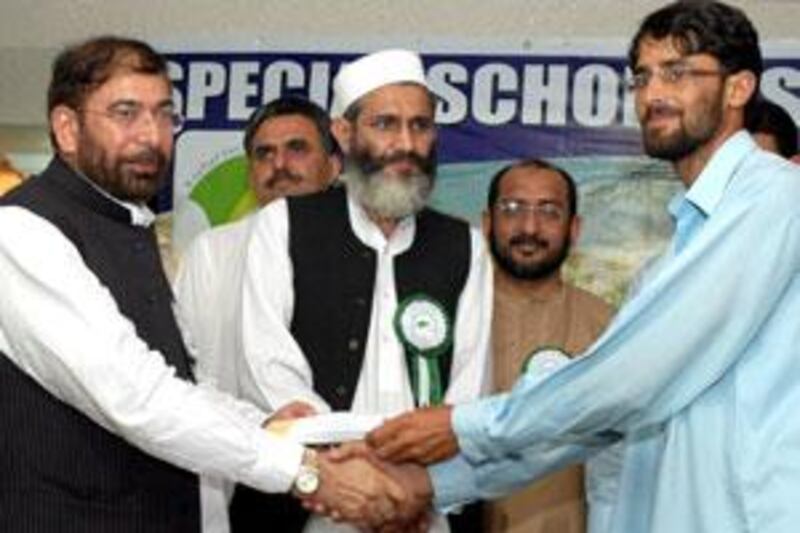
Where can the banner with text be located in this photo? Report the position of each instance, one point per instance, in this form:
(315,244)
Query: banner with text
(570,108)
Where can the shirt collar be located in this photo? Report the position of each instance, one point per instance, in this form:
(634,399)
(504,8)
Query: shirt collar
(370,234)
(141,215)
(709,187)
(707,190)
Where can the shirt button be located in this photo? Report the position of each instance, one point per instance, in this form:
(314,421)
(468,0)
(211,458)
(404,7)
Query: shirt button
(151,298)
(341,391)
(361,302)
(353,345)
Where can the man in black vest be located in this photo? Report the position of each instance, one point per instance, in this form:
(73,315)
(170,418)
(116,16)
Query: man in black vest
(361,298)
(103,429)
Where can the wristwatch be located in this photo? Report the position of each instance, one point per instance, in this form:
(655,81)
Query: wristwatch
(307,481)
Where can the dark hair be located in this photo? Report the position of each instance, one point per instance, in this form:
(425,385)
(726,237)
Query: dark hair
(291,105)
(770,118)
(82,68)
(704,27)
(572,194)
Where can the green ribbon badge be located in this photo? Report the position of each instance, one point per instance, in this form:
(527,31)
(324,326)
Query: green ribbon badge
(426,333)
(543,361)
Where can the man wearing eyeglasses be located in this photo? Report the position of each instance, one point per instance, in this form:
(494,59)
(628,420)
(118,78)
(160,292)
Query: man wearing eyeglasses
(698,376)
(539,321)
(103,429)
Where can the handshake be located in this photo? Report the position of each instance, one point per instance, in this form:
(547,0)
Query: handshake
(379,483)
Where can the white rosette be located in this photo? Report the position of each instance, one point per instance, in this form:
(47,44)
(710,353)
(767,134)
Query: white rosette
(543,361)
(424,325)
(426,333)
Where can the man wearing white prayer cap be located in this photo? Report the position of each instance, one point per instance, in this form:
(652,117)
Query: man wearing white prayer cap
(372,72)
(361,298)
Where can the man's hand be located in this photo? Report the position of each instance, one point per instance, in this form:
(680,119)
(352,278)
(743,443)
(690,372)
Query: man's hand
(279,421)
(296,409)
(357,491)
(423,436)
(414,514)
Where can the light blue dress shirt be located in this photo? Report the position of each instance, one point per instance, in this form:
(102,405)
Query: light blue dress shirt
(698,375)
(604,469)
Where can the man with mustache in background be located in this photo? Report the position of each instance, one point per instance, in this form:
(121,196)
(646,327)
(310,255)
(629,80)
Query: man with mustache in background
(336,283)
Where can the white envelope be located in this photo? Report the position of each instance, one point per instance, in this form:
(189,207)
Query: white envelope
(330,428)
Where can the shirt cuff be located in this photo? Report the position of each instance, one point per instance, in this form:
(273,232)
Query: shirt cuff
(453,484)
(469,422)
(277,464)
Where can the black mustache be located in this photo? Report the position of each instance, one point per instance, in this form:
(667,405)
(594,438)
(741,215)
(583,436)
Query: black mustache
(147,156)
(411,157)
(661,110)
(422,163)
(527,239)
(283,174)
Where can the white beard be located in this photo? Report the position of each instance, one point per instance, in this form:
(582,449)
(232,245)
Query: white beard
(389,197)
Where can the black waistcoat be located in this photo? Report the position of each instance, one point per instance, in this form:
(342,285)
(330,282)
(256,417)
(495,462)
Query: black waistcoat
(59,471)
(334,278)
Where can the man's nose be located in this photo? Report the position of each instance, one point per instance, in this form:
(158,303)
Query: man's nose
(279,159)
(655,90)
(148,129)
(529,222)
(404,140)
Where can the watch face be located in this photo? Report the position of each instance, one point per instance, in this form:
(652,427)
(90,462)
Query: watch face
(307,481)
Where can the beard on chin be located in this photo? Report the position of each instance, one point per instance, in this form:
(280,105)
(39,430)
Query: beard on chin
(687,139)
(522,270)
(389,196)
(117,178)
(673,147)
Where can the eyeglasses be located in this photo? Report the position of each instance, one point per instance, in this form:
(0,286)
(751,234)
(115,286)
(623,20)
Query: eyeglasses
(514,209)
(127,115)
(669,74)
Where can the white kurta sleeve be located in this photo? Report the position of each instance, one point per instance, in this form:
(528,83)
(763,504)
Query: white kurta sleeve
(207,293)
(273,370)
(193,283)
(60,325)
(470,375)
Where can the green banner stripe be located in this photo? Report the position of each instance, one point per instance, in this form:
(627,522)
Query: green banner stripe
(219,193)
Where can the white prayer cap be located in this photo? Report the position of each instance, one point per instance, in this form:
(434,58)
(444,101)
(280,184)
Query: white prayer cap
(373,71)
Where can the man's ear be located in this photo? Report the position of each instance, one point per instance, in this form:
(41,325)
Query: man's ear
(342,129)
(335,167)
(65,125)
(740,88)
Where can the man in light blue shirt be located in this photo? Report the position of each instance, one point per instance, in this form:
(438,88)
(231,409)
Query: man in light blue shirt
(699,375)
